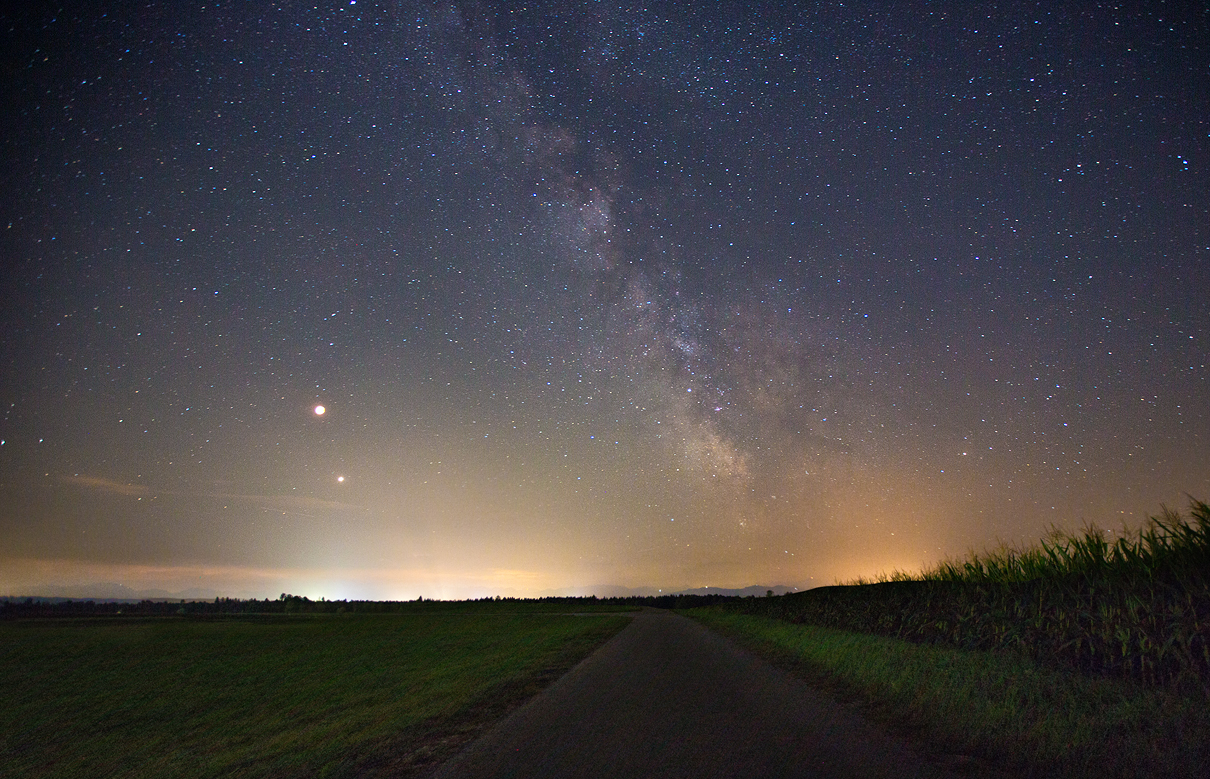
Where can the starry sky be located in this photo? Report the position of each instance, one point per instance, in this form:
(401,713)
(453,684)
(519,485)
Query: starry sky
(593,294)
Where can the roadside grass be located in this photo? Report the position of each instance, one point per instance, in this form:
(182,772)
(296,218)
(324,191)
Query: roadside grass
(1013,716)
(307,696)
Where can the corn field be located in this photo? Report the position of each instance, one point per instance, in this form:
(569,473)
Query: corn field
(1137,607)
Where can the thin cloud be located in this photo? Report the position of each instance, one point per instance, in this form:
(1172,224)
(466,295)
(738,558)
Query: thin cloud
(109,486)
(286,502)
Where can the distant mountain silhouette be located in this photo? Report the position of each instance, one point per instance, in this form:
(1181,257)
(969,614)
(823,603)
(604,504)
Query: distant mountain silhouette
(743,592)
(112,591)
(107,591)
(615,591)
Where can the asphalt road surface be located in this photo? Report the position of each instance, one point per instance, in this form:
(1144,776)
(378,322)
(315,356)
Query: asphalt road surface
(666,697)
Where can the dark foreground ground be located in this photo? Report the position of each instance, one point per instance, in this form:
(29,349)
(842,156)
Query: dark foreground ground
(668,698)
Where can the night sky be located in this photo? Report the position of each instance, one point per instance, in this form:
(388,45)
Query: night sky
(662,296)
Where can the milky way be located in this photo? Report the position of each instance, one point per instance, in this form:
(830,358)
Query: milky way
(593,294)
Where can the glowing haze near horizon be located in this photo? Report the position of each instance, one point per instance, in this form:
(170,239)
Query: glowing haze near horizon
(666,295)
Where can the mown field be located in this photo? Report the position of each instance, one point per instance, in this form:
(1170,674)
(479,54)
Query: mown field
(328,695)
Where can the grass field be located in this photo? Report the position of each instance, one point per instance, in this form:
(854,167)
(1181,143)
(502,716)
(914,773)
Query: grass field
(299,696)
(1012,715)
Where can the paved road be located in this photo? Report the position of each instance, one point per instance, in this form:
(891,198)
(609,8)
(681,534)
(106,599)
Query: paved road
(668,698)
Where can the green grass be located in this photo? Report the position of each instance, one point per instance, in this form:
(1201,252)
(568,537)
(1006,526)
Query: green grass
(1015,717)
(309,696)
